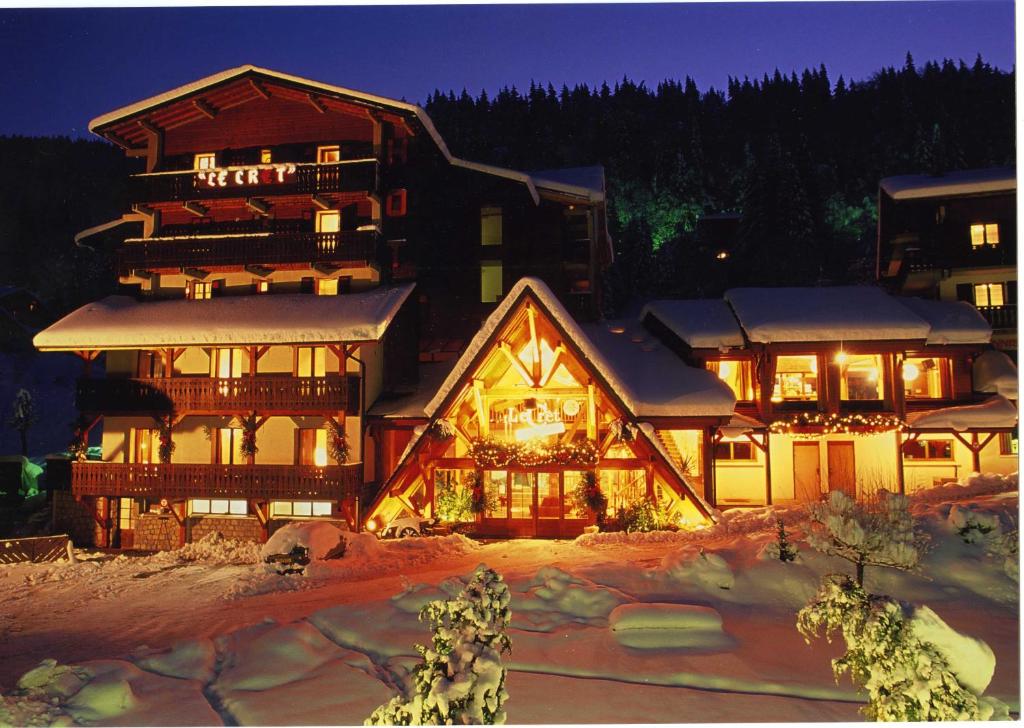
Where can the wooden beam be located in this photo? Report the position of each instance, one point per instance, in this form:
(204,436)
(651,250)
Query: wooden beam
(257,205)
(591,412)
(534,344)
(505,349)
(560,351)
(204,108)
(258,88)
(483,416)
(195,208)
(900,479)
(320,201)
(149,126)
(316,103)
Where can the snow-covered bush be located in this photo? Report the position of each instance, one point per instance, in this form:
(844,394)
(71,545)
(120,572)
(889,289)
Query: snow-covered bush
(905,678)
(879,533)
(23,416)
(973,526)
(461,679)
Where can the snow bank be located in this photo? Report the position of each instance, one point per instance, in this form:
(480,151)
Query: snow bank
(995,372)
(996,411)
(697,567)
(976,484)
(668,626)
(214,548)
(322,539)
(554,598)
(970,659)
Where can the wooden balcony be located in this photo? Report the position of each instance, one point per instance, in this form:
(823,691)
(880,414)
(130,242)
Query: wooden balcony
(267,395)
(356,175)
(184,480)
(267,248)
(1000,317)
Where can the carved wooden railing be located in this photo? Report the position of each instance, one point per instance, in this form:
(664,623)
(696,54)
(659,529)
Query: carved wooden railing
(183,480)
(349,176)
(263,394)
(248,249)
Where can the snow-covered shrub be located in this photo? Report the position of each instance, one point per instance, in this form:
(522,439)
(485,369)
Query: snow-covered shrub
(973,526)
(1006,546)
(879,533)
(905,678)
(461,679)
(784,550)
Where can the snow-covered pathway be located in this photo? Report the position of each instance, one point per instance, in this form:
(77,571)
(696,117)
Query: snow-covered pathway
(641,630)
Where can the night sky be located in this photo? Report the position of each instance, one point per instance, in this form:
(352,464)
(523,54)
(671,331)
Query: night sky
(59,68)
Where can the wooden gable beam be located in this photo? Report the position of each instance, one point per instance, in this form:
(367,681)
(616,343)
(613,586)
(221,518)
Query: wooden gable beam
(505,349)
(317,103)
(204,108)
(259,89)
(560,351)
(481,413)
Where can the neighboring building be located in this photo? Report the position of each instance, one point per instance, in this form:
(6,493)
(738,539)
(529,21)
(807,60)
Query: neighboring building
(953,237)
(302,247)
(844,388)
(22,314)
(768,396)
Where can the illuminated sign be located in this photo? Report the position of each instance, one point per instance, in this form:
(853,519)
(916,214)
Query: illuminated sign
(246,176)
(537,418)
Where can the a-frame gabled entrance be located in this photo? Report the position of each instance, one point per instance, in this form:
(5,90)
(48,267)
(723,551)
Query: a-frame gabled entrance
(527,416)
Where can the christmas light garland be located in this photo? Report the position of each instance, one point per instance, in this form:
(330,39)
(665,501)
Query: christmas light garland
(490,453)
(835,424)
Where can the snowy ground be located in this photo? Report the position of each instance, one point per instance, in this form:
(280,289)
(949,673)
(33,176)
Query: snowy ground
(644,628)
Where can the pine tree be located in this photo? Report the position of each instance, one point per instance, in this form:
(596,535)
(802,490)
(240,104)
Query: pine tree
(461,679)
(23,416)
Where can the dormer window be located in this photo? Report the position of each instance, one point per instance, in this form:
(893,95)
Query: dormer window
(266,157)
(328,155)
(199,290)
(984,233)
(206,160)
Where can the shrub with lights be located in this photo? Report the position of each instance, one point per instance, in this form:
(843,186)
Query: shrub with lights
(490,453)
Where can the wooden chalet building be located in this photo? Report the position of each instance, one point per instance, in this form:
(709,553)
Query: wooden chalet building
(293,250)
(953,237)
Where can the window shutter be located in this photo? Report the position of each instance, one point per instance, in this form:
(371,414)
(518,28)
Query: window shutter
(354,393)
(306,285)
(965,292)
(1011,292)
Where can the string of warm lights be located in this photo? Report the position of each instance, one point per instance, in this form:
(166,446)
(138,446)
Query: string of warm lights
(491,453)
(837,424)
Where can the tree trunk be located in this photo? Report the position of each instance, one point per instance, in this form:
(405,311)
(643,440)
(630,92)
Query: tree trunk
(24,442)
(860,574)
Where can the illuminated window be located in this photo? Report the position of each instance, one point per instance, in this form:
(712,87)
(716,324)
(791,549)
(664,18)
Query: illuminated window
(226,363)
(145,445)
(491,284)
(328,155)
(738,375)
(623,487)
(126,514)
(925,377)
(328,221)
(228,442)
(265,156)
(206,160)
(311,361)
(1008,443)
(262,286)
(150,365)
(988,294)
(300,509)
(490,226)
(734,450)
(571,481)
(217,507)
(860,377)
(984,233)
(495,494)
(521,496)
(327,286)
(928,450)
(396,203)
(796,379)
(199,290)
(312,446)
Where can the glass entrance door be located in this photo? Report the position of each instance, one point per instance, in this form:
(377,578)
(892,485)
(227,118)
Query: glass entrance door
(522,502)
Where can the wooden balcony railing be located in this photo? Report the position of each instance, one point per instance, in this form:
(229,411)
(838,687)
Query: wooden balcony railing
(184,480)
(248,249)
(357,175)
(209,395)
(1000,317)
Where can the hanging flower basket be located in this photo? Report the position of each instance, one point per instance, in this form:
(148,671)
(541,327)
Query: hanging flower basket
(441,431)
(623,431)
(337,442)
(167,444)
(247,447)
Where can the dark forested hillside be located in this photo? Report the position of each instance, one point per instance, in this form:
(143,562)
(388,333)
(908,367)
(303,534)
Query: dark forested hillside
(799,157)
(50,189)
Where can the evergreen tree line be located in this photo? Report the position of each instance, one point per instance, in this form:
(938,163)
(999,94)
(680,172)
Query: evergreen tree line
(799,157)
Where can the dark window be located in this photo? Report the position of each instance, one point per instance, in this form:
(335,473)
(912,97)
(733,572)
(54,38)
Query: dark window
(928,450)
(965,292)
(734,451)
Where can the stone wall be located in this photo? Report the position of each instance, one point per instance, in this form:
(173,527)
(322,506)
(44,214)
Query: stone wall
(156,532)
(236,528)
(76,518)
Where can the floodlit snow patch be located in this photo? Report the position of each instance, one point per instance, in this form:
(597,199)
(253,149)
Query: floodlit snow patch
(553,598)
(323,540)
(668,626)
(970,659)
(692,566)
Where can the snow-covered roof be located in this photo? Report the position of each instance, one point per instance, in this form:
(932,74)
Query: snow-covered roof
(574,180)
(413,404)
(839,313)
(583,181)
(706,323)
(741,425)
(964,182)
(648,378)
(995,372)
(996,411)
(951,322)
(121,322)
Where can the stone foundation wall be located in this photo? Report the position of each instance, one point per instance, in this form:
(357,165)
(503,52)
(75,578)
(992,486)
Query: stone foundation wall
(154,532)
(237,528)
(76,518)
